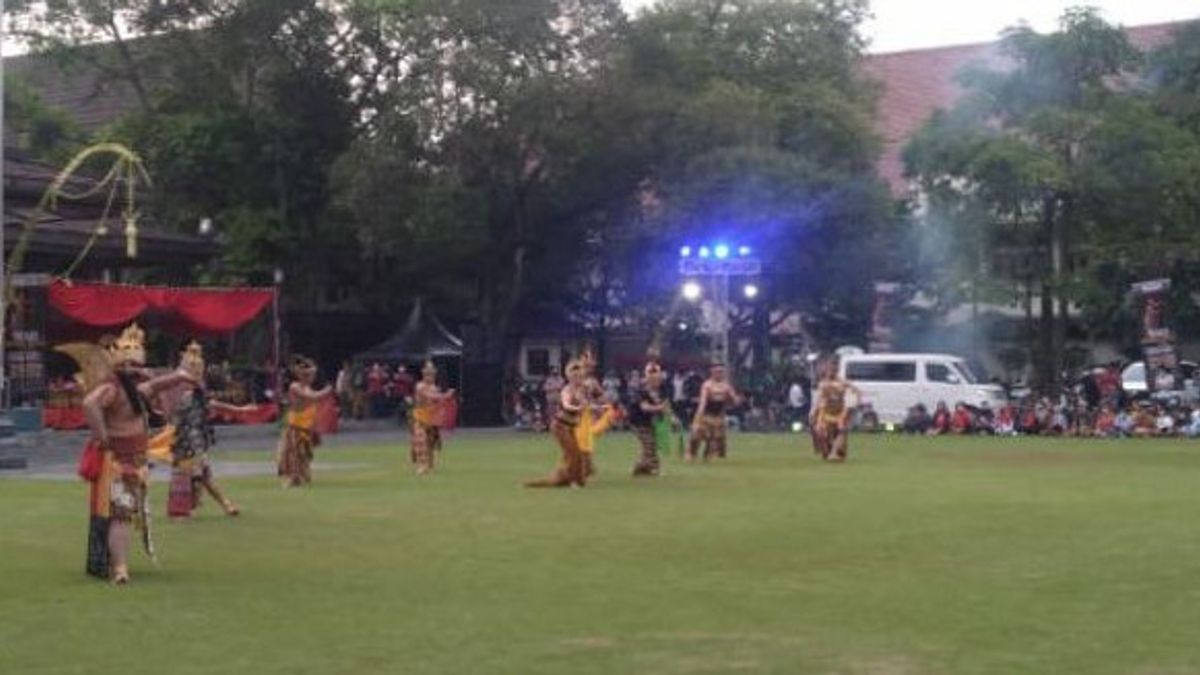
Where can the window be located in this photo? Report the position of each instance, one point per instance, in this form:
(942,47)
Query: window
(537,362)
(941,373)
(881,371)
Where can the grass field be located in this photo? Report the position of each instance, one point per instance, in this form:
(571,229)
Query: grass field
(919,556)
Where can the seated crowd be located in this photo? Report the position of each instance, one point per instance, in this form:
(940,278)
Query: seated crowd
(1043,417)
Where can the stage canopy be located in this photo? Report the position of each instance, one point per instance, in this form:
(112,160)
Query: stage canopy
(422,337)
(196,310)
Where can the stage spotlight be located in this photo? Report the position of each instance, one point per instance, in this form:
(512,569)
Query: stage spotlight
(750,291)
(691,291)
(704,252)
(683,326)
(743,251)
(685,252)
(721,251)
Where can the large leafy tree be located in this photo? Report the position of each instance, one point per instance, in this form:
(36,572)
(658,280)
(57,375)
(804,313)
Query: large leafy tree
(767,139)
(1051,171)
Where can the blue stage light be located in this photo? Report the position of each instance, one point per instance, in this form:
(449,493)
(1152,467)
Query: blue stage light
(721,251)
(704,253)
(743,251)
(685,252)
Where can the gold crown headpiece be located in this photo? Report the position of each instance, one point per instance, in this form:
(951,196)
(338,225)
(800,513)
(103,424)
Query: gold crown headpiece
(132,337)
(193,351)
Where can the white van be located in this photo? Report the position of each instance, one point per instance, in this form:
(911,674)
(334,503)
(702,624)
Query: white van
(893,383)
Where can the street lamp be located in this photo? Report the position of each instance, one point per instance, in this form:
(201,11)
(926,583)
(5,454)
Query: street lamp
(206,227)
(691,291)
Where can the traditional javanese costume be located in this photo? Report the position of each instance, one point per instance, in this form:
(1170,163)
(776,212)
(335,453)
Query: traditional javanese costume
(118,493)
(300,437)
(711,430)
(191,438)
(645,425)
(570,469)
(426,435)
(116,474)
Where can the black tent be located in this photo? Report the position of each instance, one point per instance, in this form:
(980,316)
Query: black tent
(422,337)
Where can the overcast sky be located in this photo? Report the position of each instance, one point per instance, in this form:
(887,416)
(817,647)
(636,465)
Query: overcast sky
(911,24)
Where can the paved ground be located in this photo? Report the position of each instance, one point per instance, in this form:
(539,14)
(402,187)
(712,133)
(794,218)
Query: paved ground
(53,454)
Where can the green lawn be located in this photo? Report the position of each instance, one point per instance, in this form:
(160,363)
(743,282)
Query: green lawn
(919,556)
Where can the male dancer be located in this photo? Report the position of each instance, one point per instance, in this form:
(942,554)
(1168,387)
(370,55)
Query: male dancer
(299,437)
(115,460)
(647,410)
(429,400)
(709,426)
(571,404)
(191,437)
(830,418)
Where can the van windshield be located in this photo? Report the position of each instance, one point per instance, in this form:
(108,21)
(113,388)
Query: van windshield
(968,375)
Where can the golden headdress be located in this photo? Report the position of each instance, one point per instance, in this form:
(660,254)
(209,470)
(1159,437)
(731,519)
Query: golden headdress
(129,347)
(191,359)
(301,364)
(429,368)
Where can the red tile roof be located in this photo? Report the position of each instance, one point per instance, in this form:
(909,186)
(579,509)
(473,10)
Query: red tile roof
(918,82)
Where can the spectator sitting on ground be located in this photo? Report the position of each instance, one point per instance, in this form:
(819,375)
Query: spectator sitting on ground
(868,419)
(984,419)
(961,421)
(1106,423)
(1006,421)
(1192,430)
(941,420)
(917,421)
(1164,424)
(1028,422)
(1144,421)
(1124,424)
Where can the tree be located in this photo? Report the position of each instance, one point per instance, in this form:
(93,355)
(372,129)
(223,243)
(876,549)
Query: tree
(766,136)
(1057,165)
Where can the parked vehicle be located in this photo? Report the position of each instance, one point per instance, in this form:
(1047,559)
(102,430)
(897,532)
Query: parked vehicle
(893,383)
(1133,381)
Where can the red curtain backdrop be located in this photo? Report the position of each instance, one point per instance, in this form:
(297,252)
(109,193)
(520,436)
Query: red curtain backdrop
(204,310)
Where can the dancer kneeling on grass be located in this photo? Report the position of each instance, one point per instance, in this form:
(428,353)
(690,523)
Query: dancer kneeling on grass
(571,403)
(299,438)
(648,410)
(830,418)
(430,401)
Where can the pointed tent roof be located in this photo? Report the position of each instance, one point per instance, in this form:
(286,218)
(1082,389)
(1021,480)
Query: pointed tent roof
(423,336)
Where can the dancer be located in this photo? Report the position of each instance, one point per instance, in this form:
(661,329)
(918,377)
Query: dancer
(648,409)
(300,437)
(830,418)
(114,461)
(191,435)
(709,426)
(430,402)
(597,415)
(571,404)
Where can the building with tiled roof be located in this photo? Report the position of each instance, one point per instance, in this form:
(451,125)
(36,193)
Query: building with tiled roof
(918,82)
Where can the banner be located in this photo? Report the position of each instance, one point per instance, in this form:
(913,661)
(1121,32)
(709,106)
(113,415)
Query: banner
(196,310)
(881,317)
(1158,342)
